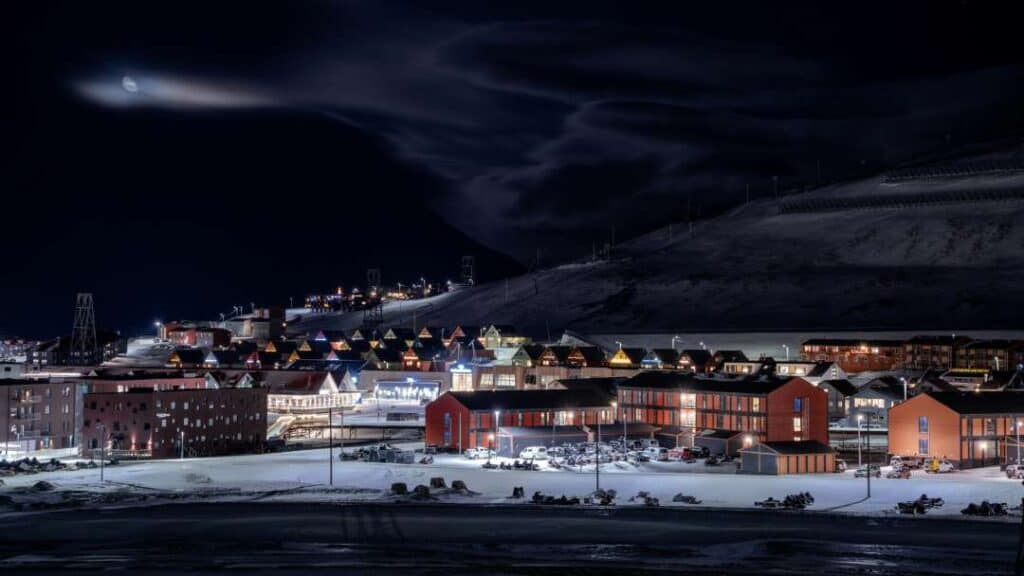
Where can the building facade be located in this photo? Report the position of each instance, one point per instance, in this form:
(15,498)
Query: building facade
(463,420)
(969,428)
(38,415)
(150,423)
(764,409)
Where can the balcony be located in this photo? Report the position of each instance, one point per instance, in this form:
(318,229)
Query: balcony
(33,417)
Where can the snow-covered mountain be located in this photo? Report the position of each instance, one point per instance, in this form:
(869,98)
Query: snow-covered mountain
(942,252)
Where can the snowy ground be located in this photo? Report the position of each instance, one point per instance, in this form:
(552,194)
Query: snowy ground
(303,476)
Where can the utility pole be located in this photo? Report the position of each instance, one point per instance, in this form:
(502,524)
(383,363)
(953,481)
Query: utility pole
(597,455)
(330,442)
(103,444)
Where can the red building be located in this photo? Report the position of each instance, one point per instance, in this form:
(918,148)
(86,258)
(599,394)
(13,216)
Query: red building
(124,380)
(470,419)
(199,337)
(153,423)
(969,428)
(855,355)
(763,409)
(38,415)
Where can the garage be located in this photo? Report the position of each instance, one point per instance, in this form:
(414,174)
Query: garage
(720,442)
(777,458)
(512,439)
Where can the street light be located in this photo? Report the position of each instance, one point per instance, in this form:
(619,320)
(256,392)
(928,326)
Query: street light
(497,419)
(860,418)
(330,443)
(786,346)
(597,453)
(983,445)
(102,429)
(181,456)
(490,446)
(904,381)
(1018,441)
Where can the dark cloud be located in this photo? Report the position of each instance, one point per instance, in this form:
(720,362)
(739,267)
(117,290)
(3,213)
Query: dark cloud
(541,125)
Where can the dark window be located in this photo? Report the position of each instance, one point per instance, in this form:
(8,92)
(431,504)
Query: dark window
(922,446)
(145,426)
(798,404)
(922,426)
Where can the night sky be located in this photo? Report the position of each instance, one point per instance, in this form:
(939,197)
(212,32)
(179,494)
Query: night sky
(274,149)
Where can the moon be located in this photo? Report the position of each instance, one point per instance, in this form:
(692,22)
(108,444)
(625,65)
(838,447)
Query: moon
(129,85)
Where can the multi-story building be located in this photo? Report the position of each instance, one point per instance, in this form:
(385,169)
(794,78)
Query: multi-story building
(199,337)
(968,428)
(498,418)
(932,352)
(151,423)
(991,355)
(853,355)
(764,409)
(57,352)
(38,415)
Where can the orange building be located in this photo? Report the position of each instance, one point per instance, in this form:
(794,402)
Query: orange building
(855,355)
(764,409)
(969,428)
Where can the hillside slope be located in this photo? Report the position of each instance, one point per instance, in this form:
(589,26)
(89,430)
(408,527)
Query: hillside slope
(954,265)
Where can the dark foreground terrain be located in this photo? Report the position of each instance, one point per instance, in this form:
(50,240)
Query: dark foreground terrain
(262,538)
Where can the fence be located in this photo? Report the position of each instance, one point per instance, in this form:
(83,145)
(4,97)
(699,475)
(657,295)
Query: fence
(981,168)
(899,200)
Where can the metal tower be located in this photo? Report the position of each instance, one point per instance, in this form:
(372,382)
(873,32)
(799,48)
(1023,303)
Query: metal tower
(468,270)
(83,334)
(373,313)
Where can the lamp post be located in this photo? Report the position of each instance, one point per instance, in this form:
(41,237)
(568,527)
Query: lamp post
(490,446)
(330,443)
(1018,441)
(103,443)
(497,419)
(786,347)
(181,455)
(615,412)
(860,418)
(983,445)
(904,381)
(597,454)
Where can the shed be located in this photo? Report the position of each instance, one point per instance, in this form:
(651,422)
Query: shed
(777,458)
(512,439)
(720,441)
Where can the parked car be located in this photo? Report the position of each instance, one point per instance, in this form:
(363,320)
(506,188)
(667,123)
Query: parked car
(936,466)
(657,454)
(905,462)
(677,454)
(638,456)
(643,444)
(534,453)
(479,452)
(864,471)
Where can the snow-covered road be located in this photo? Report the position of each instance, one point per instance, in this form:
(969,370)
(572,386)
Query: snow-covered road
(304,475)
